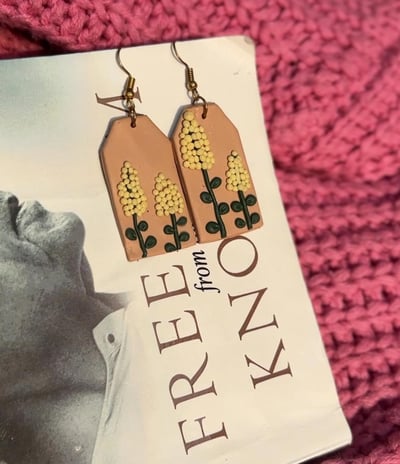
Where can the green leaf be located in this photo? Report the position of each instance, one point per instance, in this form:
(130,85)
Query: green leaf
(239,222)
(181,221)
(130,234)
(251,200)
(150,242)
(254,218)
(212,227)
(168,247)
(236,206)
(223,208)
(184,236)
(168,229)
(205,197)
(215,182)
(143,226)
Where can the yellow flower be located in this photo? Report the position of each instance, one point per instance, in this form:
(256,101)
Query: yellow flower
(131,195)
(167,196)
(237,177)
(194,144)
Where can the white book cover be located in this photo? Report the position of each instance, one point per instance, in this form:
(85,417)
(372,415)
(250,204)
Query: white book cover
(210,354)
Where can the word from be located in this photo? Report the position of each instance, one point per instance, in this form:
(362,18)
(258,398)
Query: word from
(203,272)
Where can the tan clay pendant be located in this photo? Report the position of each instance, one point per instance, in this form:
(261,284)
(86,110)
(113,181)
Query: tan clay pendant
(144,188)
(215,174)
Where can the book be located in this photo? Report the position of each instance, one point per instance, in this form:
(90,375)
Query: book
(209,354)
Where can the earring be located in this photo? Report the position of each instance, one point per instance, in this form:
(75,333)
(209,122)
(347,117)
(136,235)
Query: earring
(213,168)
(143,184)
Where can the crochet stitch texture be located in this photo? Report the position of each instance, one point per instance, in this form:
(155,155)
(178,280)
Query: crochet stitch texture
(329,74)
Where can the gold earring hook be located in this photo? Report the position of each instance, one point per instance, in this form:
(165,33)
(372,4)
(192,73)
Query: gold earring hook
(119,63)
(191,84)
(128,95)
(177,56)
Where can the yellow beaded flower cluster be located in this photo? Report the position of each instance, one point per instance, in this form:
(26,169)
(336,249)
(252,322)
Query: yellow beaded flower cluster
(132,197)
(237,177)
(194,144)
(167,196)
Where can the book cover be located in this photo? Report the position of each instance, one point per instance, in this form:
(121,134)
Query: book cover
(209,354)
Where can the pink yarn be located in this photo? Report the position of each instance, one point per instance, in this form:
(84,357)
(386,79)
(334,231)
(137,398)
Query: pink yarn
(329,73)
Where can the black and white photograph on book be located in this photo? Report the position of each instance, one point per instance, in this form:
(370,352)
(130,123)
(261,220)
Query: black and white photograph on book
(151,313)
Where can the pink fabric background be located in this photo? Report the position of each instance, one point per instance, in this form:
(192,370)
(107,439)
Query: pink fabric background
(329,72)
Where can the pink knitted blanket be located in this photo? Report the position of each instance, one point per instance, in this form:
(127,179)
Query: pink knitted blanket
(329,74)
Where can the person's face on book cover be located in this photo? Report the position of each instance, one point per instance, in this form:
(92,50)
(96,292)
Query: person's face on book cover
(48,358)
(32,237)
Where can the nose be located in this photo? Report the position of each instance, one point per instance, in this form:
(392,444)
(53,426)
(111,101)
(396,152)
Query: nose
(8,212)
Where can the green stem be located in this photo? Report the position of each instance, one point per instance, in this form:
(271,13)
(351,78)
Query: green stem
(245,209)
(139,235)
(176,235)
(215,204)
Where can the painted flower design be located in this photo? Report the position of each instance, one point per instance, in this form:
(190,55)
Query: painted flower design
(238,180)
(132,197)
(167,196)
(134,203)
(169,202)
(197,155)
(194,144)
(237,177)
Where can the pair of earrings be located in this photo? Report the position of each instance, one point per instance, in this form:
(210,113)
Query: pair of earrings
(169,194)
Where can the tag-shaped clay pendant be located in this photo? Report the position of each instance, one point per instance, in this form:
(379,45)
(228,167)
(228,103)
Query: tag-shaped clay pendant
(144,188)
(215,174)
